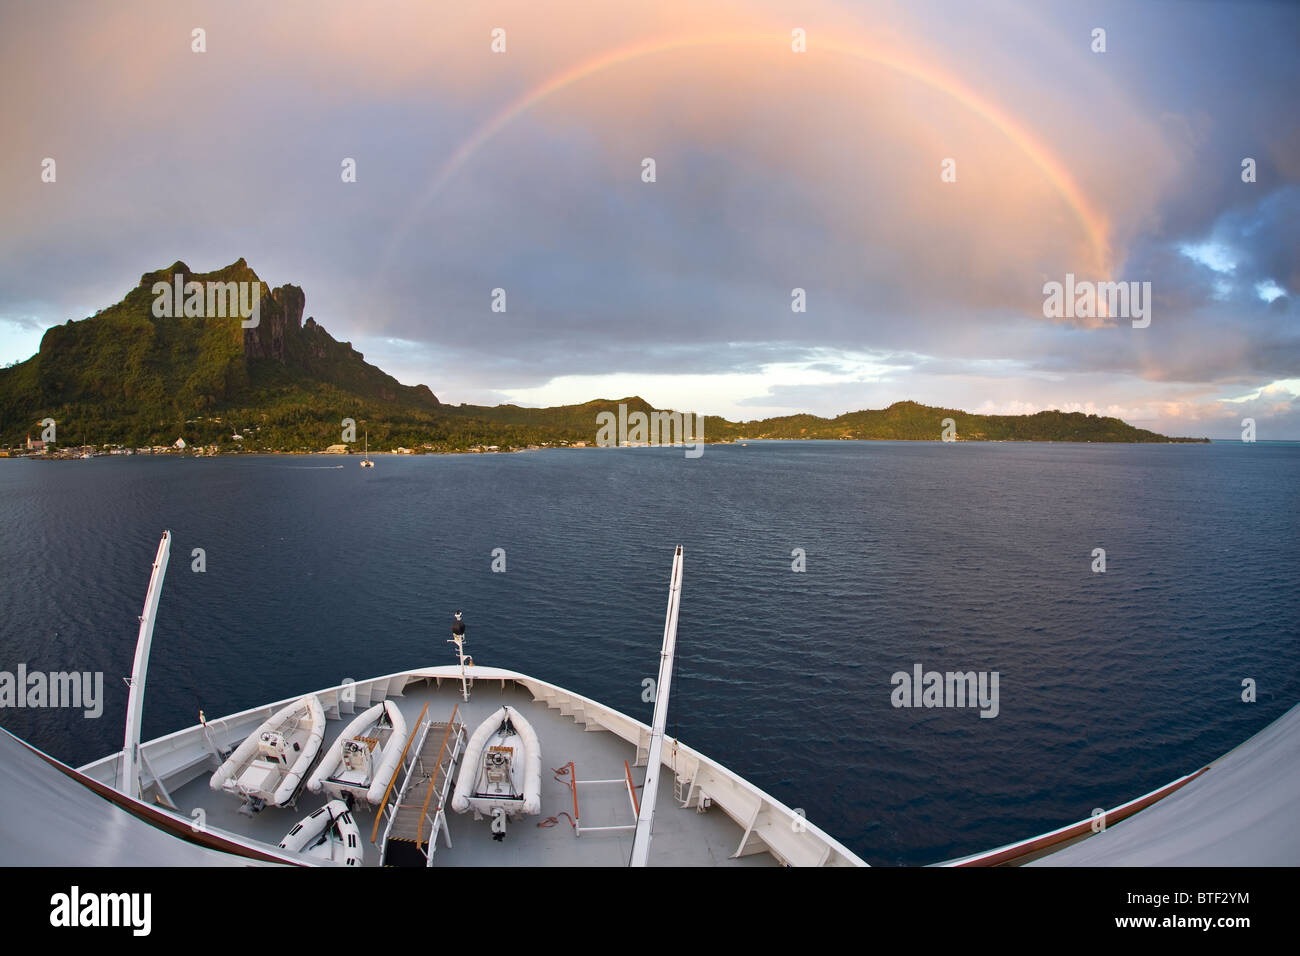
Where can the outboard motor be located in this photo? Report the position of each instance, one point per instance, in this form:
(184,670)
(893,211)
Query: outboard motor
(498,823)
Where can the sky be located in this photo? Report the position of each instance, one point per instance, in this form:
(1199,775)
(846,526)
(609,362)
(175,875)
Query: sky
(920,170)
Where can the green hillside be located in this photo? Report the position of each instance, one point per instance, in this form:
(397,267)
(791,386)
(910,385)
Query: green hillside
(910,421)
(126,376)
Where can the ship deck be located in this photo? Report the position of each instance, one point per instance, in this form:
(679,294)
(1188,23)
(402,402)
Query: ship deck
(682,836)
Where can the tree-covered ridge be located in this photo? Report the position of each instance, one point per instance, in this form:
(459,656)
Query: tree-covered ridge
(910,421)
(126,376)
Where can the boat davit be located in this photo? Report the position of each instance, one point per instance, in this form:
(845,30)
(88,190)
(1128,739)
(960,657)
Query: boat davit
(268,767)
(501,775)
(362,761)
(330,833)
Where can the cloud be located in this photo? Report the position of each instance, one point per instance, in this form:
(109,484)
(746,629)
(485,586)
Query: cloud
(775,171)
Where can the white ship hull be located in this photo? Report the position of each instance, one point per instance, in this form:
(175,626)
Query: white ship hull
(709,815)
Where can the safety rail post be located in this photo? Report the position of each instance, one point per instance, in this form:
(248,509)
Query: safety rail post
(573,785)
(631,790)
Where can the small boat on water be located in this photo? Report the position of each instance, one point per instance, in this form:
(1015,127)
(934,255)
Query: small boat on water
(366,462)
(269,766)
(501,775)
(330,834)
(362,761)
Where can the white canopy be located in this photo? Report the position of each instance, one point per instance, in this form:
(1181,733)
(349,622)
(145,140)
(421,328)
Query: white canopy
(1240,812)
(51,820)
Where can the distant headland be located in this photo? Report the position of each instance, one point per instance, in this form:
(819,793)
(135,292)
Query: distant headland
(219,373)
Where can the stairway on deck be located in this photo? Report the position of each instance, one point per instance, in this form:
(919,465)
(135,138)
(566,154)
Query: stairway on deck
(415,824)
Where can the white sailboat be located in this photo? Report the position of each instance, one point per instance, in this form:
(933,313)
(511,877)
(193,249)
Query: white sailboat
(366,462)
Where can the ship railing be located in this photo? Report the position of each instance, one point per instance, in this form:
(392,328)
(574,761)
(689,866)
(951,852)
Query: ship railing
(439,819)
(623,781)
(433,784)
(703,783)
(402,767)
(401,795)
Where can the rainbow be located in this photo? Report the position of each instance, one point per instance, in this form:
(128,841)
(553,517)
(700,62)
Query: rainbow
(1093,225)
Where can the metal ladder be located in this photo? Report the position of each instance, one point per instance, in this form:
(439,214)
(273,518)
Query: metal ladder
(438,747)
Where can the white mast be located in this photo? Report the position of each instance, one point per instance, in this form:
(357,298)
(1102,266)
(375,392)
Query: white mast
(459,641)
(645,819)
(129,777)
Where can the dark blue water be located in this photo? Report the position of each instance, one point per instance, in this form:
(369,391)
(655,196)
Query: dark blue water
(959,557)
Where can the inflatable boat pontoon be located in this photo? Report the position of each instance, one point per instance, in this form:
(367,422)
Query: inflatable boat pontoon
(501,775)
(363,759)
(330,833)
(269,766)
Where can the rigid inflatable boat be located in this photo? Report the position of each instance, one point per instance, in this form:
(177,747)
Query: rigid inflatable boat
(501,775)
(269,765)
(328,834)
(363,759)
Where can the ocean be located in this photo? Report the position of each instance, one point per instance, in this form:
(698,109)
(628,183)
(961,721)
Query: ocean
(956,557)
